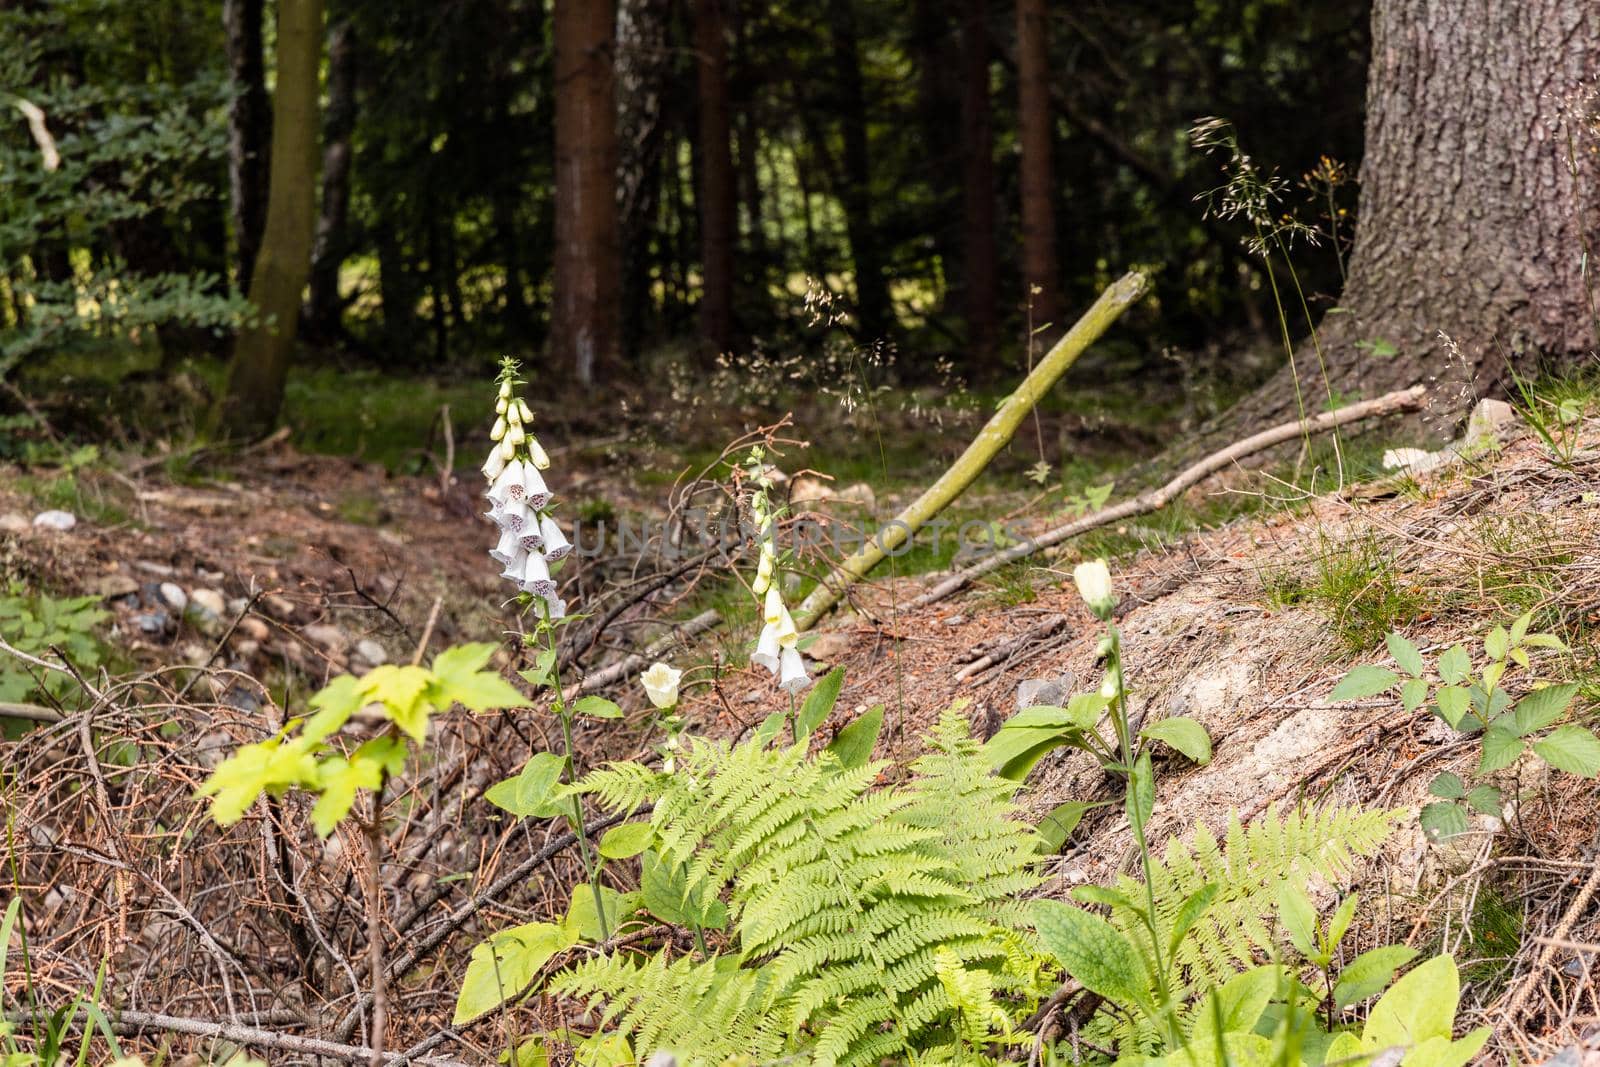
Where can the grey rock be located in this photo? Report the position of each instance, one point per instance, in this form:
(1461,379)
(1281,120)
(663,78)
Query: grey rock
(116,586)
(152,622)
(12,523)
(1053,692)
(254,629)
(372,652)
(173,596)
(209,601)
(329,637)
(1488,421)
(55,520)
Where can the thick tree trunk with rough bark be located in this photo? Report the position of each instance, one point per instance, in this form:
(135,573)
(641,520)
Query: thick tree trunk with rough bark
(873,312)
(586,323)
(261,355)
(1035,124)
(1477,212)
(642,69)
(324,307)
(979,251)
(249,130)
(718,207)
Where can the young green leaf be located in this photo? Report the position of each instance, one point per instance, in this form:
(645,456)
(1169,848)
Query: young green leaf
(524,795)
(1370,973)
(1184,734)
(506,964)
(1454,703)
(400,689)
(819,702)
(1496,643)
(627,840)
(1413,693)
(1455,664)
(1299,920)
(1339,922)
(459,678)
(1405,654)
(1363,682)
(593,707)
(1501,747)
(1443,820)
(853,745)
(1542,708)
(1571,748)
(1092,951)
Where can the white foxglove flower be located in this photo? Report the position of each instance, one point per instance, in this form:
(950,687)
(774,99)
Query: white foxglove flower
(507,484)
(556,607)
(768,649)
(1094,585)
(514,515)
(506,548)
(792,676)
(534,490)
(494,464)
(661,685)
(554,543)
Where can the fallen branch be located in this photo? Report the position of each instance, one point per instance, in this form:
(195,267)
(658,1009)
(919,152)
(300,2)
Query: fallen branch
(638,661)
(994,436)
(1155,499)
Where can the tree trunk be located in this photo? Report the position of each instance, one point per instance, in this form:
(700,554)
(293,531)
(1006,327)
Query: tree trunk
(585,328)
(979,251)
(325,308)
(718,206)
(642,69)
(873,313)
(1476,213)
(249,128)
(1035,122)
(939,97)
(261,356)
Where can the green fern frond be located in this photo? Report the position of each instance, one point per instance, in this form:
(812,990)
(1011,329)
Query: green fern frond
(623,787)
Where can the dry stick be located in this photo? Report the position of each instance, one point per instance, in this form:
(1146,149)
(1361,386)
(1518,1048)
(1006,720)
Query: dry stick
(1388,404)
(638,661)
(134,1022)
(1541,967)
(999,430)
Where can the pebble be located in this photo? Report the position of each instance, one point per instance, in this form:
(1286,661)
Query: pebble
(1051,692)
(278,608)
(829,647)
(151,622)
(372,652)
(13,523)
(115,586)
(209,601)
(246,648)
(330,637)
(55,520)
(173,596)
(254,629)
(956,620)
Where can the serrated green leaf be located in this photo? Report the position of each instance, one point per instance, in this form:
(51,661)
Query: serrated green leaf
(1184,734)
(1362,682)
(1496,642)
(338,781)
(1443,820)
(1413,693)
(1455,664)
(1572,749)
(1542,708)
(400,690)
(1405,654)
(1501,747)
(627,840)
(1454,702)
(1487,799)
(1550,641)
(1447,785)
(507,963)
(1370,973)
(334,703)
(853,745)
(1092,951)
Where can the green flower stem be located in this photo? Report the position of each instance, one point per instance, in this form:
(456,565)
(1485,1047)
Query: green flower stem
(579,830)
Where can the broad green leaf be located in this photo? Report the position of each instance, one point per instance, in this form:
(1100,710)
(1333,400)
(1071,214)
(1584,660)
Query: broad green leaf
(1190,912)
(1299,919)
(1571,748)
(583,923)
(1448,785)
(1057,826)
(819,703)
(267,766)
(1184,734)
(525,794)
(1344,1048)
(1013,753)
(853,745)
(1081,713)
(339,779)
(1235,1006)
(334,703)
(400,691)
(458,661)
(1442,1052)
(1340,921)
(506,964)
(1487,799)
(1413,693)
(604,1050)
(543,667)
(1443,820)
(459,678)
(770,728)
(1420,1006)
(1542,708)
(1501,747)
(1141,799)
(530,1053)
(1455,664)
(1405,654)
(1370,973)
(1362,682)
(1496,643)
(627,840)
(1092,951)
(593,707)
(1519,628)
(1454,702)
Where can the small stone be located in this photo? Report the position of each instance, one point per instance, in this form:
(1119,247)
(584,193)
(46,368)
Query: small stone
(12,523)
(372,652)
(209,601)
(173,596)
(860,495)
(278,607)
(1050,692)
(955,620)
(1488,421)
(829,647)
(115,586)
(247,648)
(237,605)
(328,636)
(151,622)
(160,570)
(254,629)
(194,654)
(55,520)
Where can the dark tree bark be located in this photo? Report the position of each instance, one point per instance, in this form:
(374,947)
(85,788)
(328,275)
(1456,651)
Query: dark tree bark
(1475,215)
(980,254)
(1035,123)
(249,131)
(716,193)
(873,313)
(261,356)
(324,308)
(642,71)
(933,42)
(585,333)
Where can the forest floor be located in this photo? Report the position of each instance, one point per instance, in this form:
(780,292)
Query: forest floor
(1241,607)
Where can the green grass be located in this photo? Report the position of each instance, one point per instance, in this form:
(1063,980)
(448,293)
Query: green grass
(1356,586)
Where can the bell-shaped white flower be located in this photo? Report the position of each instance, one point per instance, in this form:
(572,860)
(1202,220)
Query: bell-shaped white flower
(555,607)
(534,490)
(661,684)
(555,547)
(508,483)
(792,676)
(533,575)
(506,549)
(768,648)
(514,515)
(1093,579)
(494,464)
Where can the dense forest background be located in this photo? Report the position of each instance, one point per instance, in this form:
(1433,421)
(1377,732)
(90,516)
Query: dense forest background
(954,173)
